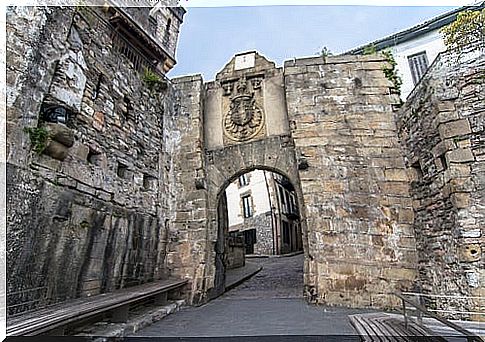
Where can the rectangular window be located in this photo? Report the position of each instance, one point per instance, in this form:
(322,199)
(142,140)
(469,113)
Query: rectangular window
(286,233)
(418,64)
(247,210)
(282,198)
(152,25)
(288,203)
(243,180)
(293,204)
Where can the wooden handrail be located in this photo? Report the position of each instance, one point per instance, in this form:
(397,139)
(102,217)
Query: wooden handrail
(470,336)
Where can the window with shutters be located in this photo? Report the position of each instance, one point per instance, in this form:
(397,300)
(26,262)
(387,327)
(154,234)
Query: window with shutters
(418,64)
(243,180)
(247,209)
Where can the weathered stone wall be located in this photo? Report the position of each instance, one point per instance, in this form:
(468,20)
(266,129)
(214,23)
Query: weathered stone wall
(361,243)
(264,235)
(236,256)
(442,128)
(89,214)
(264,232)
(127,190)
(188,229)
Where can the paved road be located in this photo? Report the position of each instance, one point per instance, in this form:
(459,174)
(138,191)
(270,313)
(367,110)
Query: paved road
(270,303)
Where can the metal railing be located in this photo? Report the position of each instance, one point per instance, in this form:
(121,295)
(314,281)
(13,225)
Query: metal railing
(423,311)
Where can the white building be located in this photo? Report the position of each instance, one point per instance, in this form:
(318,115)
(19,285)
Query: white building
(262,207)
(416,48)
(247,197)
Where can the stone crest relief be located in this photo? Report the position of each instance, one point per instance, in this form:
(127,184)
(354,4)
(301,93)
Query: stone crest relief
(244,119)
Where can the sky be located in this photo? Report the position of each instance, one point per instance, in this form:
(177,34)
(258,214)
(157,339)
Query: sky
(211,36)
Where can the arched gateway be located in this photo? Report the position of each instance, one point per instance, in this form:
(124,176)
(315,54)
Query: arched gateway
(246,127)
(328,126)
(114,172)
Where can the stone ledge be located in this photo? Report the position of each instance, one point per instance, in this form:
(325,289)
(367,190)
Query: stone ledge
(103,332)
(333,60)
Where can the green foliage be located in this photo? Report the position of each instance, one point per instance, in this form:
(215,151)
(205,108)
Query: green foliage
(325,52)
(391,72)
(39,137)
(85,225)
(466,33)
(370,49)
(151,79)
(81,6)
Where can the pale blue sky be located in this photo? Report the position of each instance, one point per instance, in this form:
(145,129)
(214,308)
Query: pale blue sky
(211,36)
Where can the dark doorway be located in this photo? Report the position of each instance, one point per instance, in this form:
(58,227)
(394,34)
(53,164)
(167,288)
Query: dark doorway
(220,248)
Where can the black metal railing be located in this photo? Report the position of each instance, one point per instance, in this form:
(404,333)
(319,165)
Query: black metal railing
(122,46)
(422,311)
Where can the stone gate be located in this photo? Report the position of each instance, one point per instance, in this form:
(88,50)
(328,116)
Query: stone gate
(328,125)
(116,175)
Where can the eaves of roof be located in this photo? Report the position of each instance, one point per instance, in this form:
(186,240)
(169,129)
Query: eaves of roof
(417,30)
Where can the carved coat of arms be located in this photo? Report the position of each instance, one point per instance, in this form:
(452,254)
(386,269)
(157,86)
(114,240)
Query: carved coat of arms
(244,120)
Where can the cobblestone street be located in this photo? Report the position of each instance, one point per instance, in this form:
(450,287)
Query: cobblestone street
(280,278)
(270,303)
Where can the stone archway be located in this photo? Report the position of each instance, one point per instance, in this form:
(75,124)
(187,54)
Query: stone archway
(275,154)
(329,126)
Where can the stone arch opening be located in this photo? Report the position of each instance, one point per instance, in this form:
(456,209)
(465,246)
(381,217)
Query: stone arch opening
(271,222)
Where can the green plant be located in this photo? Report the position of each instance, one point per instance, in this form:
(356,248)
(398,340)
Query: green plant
(325,52)
(39,138)
(84,225)
(151,78)
(391,72)
(370,49)
(466,33)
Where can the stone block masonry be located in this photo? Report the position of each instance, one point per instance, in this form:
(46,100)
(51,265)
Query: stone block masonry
(442,129)
(355,187)
(90,214)
(115,178)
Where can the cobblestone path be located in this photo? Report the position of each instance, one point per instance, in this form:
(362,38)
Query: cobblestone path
(270,303)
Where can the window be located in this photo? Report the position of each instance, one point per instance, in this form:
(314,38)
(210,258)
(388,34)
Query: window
(166,35)
(418,64)
(286,233)
(122,170)
(149,182)
(282,198)
(247,210)
(293,204)
(288,202)
(243,180)
(152,25)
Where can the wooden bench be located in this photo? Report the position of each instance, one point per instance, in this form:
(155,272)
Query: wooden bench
(55,318)
(383,327)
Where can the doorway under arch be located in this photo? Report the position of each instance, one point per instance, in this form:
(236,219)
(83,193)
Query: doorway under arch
(262,217)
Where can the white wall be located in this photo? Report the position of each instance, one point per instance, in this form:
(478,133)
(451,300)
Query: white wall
(431,42)
(259,194)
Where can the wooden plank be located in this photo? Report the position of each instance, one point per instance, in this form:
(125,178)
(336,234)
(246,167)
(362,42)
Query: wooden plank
(360,328)
(102,299)
(96,301)
(386,328)
(472,337)
(400,333)
(65,313)
(380,329)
